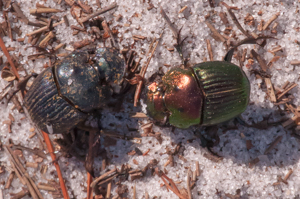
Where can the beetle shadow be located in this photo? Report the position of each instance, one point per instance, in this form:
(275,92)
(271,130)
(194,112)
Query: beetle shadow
(239,143)
(242,144)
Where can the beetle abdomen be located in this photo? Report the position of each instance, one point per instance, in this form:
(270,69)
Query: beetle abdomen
(47,108)
(226,91)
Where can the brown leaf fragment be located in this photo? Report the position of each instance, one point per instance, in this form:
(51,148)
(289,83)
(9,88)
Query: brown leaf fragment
(19,12)
(70,2)
(81,44)
(20,194)
(270,90)
(223,17)
(260,60)
(249,20)
(85,7)
(7,74)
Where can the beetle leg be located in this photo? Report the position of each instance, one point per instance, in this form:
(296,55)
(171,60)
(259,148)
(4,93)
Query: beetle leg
(260,125)
(157,76)
(208,142)
(89,162)
(21,86)
(69,145)
(240,120)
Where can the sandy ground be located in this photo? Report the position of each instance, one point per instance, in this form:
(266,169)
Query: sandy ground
(238,144)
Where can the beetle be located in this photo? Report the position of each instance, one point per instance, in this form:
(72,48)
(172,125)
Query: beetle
(206,94)
(64,95)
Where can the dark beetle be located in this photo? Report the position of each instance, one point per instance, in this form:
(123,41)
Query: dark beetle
(207,93)
(63,95)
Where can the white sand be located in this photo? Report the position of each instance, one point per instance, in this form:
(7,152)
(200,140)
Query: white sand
(232,172)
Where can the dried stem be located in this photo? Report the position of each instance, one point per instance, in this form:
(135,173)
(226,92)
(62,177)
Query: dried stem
(53,156)
(43,10)
(273,144)
(19,12)
(45,41)
(197,169)
(89,190)
(143,72)
(6,53)
(9,180)
(286,177)
(108,192)
(173,186)
(102,177)
(295,62)
(270,90)
(215,32)
(46,137)
(20,194)
(43,29)
(18,168)
(188,183)
(134,192)
(46,187)
(211,57)
(234,19)
(108,8)
(273,18)
(286,90)
(106,29)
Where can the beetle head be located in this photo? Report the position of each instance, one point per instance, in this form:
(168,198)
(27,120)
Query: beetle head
(156,108)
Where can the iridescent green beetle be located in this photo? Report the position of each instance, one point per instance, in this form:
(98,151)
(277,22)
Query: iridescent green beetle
(207,93)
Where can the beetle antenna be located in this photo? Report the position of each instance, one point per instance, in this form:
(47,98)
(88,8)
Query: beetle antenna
(176,33)
(250,40)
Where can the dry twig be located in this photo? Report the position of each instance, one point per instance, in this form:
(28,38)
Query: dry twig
(143,72)
(108,8)
(273,145)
